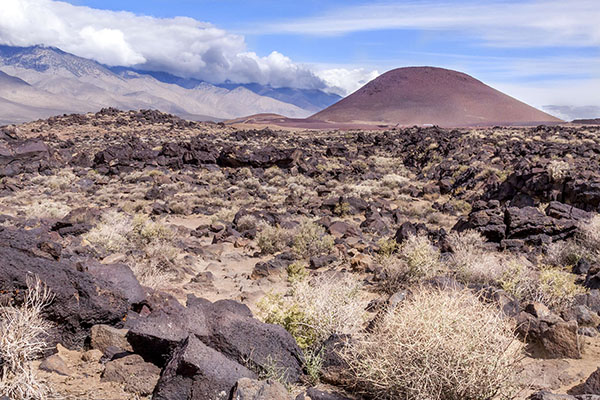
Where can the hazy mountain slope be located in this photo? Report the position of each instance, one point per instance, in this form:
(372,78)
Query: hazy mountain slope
(427,95)
(20,102)
(75,84)
(307,99)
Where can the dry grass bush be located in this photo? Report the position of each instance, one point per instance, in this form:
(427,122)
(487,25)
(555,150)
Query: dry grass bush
(471,261)
(247,222)
(62,180)
(22,340)
(394,181)
(564,253)
(311,240)
(558,170)
(45,208)
(152,244)
(417,259)
(552,286)
(589,236)
(437,345)
(317,308)
(273,239)
(556,288)
(111,233)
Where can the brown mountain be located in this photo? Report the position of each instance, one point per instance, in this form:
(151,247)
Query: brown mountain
(428,95)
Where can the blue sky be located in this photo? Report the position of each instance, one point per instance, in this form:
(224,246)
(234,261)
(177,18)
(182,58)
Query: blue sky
(545,52)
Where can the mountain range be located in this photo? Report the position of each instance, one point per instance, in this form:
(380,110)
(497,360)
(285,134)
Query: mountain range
(38,81)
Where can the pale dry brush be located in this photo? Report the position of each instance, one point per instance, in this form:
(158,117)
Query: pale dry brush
(23,333)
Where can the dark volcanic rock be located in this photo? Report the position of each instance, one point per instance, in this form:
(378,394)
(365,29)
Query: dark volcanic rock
(590,386)
(225,326)
(80,300)
(261,158)
(23,156)
(198,372)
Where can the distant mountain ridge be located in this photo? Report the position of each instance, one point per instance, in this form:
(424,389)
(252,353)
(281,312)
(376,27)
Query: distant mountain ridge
(307,99)
(60,82)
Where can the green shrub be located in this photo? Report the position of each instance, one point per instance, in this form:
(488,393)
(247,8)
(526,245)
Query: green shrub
(317,308)
(296,272)
(311,240)
(272,239)
(557,288)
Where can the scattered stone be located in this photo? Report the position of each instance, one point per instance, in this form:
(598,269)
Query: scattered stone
(251,389)
(136,375)
(55,364)
(104,336)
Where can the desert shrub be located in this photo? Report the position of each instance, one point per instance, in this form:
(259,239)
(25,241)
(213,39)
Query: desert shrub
(552,286)
(519,279)
(416,259)
(311,240)
(437,345)
(471,261)
(296,272)
(564,253)
(421,257)
(272,239)
(111,233)
(46,208)
(589,236)
(23,334)
(342,209)
(558,170)
(247,223)
(62,180)
(154,254)
(387,247)
(317,308)
(556,288)
(145,231)
(313,363)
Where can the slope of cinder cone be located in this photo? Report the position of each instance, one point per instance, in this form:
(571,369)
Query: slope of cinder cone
(428,95)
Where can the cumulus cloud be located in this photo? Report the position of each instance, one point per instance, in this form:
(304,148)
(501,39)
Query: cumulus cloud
(183,46)
(344,81)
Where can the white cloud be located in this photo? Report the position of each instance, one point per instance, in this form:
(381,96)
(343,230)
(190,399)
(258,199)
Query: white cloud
(181,45)
(499,23)
(344,81)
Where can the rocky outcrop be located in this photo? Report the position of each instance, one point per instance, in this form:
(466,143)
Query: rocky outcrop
(513,227)
(136,375)
(20,156)
(549,335)
(225,326)
(80,299)
(580,189)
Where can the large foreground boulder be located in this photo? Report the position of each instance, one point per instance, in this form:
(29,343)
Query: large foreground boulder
(80,300)
(225,326)
(198,372)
